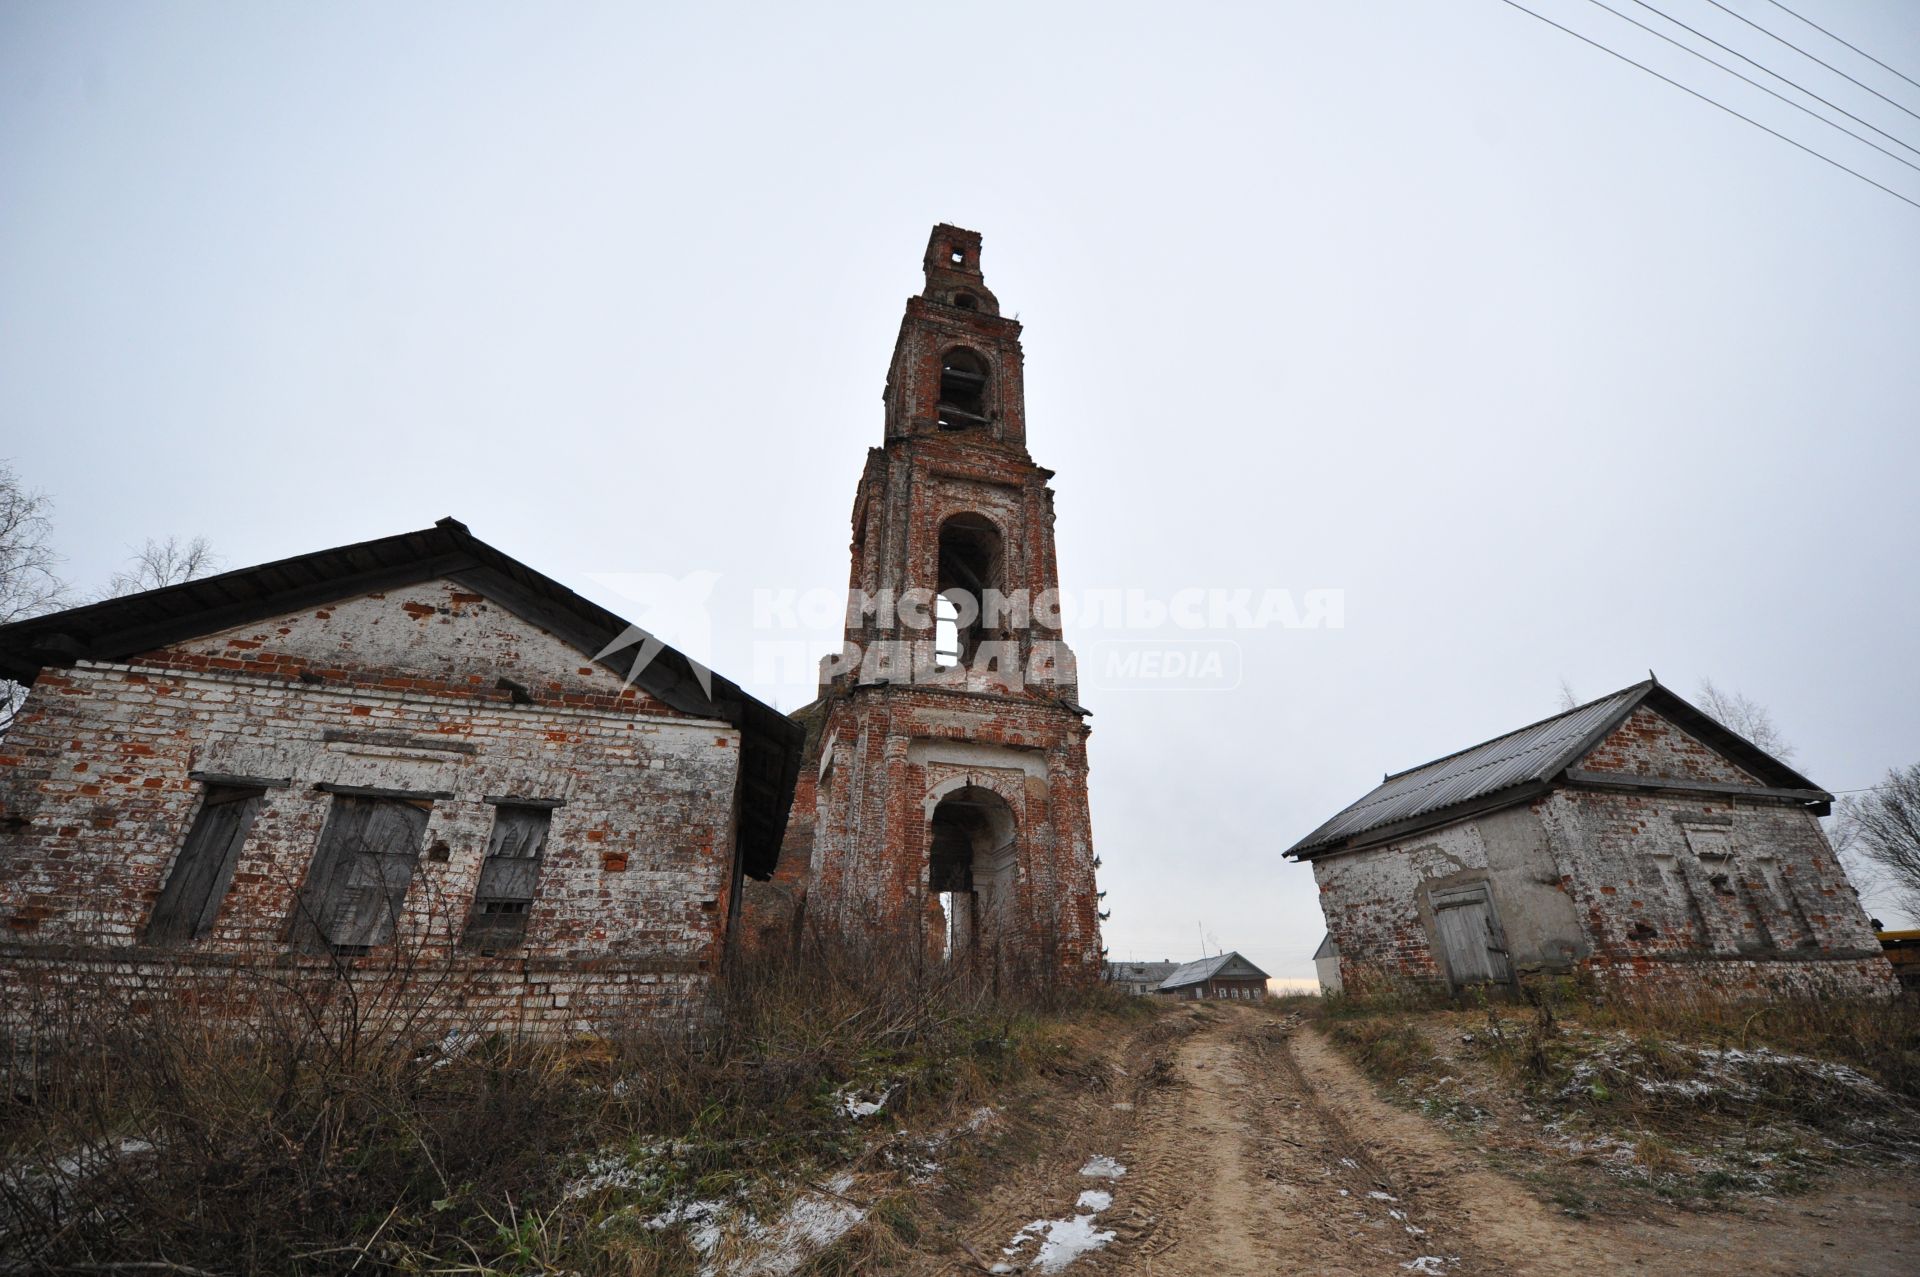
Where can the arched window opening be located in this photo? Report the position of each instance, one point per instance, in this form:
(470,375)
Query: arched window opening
(970,868)
(963,390)
(971,563)
(966,301)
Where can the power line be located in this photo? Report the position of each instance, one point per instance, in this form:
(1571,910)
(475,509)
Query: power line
(1798,106)
(1803,53)
(1776,75)
(1711,102)
(1856,48)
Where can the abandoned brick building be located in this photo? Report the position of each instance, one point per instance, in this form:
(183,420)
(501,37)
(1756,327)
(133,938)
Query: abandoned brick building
(943,793)
(1632,837)
(407,746)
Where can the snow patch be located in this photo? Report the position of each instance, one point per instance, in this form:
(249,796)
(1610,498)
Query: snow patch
(1093,1201)
(862,1102)
(1061,1242)
(920,1157)
(735,1243)
(604,1170)
(702,1221)
(1056,1243)
(811,1223)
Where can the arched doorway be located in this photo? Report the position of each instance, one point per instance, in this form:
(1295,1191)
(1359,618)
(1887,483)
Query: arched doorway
(970,852)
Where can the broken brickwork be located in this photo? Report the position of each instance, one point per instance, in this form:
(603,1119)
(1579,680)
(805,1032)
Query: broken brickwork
(563,849)
(945,794)
(1664,851)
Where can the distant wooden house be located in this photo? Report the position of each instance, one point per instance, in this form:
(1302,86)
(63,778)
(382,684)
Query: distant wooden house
(1139,978)
(1225,975)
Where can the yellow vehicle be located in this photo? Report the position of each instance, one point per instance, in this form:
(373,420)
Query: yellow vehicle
(1903,951)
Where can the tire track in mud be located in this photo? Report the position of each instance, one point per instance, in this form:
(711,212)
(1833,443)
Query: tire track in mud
(1239,1171)
(1087,1113)
(1253,1149)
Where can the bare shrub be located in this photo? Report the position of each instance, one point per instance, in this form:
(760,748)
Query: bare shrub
(342,1118)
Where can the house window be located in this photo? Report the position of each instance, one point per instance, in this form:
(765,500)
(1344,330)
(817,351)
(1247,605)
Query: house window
(360,874)
(500,905)
(198,881)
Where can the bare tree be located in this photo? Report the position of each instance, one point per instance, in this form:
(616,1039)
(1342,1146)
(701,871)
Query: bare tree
(1746,716)
(1567,699)
(28,583)
(1881,827)
(163,563)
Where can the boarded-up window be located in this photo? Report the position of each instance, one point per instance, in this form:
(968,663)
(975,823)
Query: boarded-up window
(198,881)
(360,874)
(1713,844)
(507,876)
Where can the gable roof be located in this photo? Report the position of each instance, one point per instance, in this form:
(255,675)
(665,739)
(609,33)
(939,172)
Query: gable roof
(1202,970)
(115,629)
(1154,971)
(1525,762)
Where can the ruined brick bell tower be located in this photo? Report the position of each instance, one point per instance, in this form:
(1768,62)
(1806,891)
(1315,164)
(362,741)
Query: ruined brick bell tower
(949,799)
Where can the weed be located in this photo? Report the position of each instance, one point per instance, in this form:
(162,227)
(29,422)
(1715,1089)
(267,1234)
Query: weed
(1389,1050)
(312,1142)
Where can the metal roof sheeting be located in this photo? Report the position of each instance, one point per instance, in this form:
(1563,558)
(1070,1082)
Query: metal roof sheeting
(1141,971)
(1201,970)
(1532,753)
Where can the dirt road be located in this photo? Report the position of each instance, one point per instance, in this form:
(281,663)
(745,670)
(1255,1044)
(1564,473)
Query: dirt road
(1252,1149)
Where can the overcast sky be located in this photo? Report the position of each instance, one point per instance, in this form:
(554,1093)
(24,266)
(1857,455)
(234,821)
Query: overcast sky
(1554,370)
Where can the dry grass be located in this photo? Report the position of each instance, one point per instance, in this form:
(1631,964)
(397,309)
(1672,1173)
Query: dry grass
(1390,1050)
(1696,1098)
(317,1143)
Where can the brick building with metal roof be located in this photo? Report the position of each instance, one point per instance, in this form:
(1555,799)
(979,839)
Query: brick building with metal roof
(406,773)
(1634,836)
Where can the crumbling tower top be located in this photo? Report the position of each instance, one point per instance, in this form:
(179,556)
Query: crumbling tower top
(953,271)
(955,372)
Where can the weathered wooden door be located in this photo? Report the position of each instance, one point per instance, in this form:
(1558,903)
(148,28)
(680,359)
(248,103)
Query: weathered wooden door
(1470,938)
